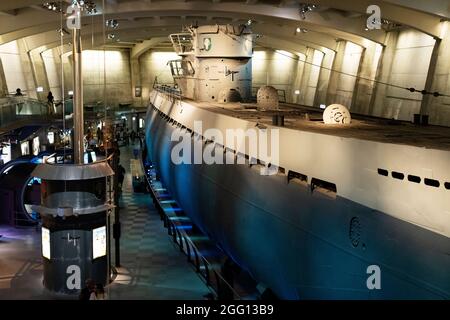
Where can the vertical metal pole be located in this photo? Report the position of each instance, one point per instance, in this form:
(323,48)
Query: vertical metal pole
(78,117)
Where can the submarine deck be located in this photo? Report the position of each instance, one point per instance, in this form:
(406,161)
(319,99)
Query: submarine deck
(299,117)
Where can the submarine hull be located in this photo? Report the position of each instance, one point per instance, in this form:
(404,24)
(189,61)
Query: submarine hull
(299,243)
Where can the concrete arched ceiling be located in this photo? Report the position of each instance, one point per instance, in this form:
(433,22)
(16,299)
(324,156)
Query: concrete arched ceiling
(128,33)
(276,19)
(136,19)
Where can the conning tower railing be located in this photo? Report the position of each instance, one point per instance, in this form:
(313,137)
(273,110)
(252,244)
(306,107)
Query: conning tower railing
(169,89)
(176,228)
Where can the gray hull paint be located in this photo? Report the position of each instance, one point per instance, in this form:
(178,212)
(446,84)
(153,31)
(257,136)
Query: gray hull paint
(297,242)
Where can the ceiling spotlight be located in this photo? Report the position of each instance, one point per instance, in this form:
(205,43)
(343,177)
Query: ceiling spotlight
(305,8)
(249,22)
(301,30)
(86,5)
(52,6)
(112,23)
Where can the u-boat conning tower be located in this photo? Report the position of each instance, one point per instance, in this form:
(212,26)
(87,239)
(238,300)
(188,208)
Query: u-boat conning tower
(216,63)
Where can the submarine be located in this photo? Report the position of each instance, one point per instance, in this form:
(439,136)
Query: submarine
(355,209)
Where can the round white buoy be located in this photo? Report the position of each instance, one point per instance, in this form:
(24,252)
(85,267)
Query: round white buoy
(336,114)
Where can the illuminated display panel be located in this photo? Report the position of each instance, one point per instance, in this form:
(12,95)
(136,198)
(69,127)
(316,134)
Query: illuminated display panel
(5,153)
(99,242)
(46,243)
(51,137)
(36,146)
(25,148)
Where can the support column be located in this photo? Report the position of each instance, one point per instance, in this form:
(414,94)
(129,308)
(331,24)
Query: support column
(297,79)
(324,78)
(306,75)
(136,81)
(78,118)
(335,76)
(3,84)
(27,69)
(386,63)
(426,100)
(438,108)
(39,74)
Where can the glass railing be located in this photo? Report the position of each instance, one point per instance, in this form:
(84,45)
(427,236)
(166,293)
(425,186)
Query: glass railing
(14,108)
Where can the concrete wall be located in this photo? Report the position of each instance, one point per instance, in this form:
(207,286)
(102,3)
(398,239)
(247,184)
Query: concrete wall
(117,75)
(405,64)
(153,64)
(324,77)
(310,77)
(280,69)
(17,70)
(3,84)
(438,108)
(52,64)
(365,86)
(39,74)
(343,78)
(408,59)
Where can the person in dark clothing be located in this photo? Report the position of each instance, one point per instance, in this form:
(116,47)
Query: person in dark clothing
(99,135)
(50,102)
(20,103)
(133,136)
(126,137)
(121,176)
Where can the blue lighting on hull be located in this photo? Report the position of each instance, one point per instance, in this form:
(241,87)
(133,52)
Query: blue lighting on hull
(172,209)
(184,227)
(296,244)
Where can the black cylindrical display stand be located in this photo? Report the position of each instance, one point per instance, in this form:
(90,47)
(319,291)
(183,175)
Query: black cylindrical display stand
(73,258)
(75,231)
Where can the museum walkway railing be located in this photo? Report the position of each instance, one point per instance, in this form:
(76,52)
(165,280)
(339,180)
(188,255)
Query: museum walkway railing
(178,226)
(13,109)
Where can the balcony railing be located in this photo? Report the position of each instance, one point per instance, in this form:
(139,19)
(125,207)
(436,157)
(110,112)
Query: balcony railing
(13,109)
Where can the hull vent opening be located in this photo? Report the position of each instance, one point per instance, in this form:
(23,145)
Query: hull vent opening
(324,187)
(414,179)
(432,183)
(292,175)
(398,175)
